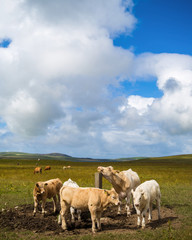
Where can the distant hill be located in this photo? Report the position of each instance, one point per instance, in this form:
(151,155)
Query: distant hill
(65,157)
(48,156)
(57,156)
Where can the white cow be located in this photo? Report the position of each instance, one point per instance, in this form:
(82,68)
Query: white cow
(143,197)
(71,183)
(123,182)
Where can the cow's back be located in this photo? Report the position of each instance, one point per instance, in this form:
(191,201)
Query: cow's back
(53,187)
(133,178)
(151,189)
(80,198)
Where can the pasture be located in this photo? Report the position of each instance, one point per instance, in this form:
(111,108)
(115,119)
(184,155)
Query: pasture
(174,174)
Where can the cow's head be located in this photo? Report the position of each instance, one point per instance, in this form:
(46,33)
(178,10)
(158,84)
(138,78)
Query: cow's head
(112,196)
(106,171)
(40,187)
(138,197)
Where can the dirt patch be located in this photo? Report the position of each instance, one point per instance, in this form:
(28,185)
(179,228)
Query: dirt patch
(21,218)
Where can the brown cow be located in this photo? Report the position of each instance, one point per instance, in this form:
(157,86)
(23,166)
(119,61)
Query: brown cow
(94,199)
(47,168)
(44,190)
(38,170)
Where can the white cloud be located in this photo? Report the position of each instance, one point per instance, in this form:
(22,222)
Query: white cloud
(139,103)
(174,77)
(55,74)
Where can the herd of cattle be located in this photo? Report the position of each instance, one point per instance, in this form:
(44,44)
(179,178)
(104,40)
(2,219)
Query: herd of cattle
(39,169)
(72,197)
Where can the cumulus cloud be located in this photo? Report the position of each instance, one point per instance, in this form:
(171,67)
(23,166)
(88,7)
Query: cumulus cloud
(174,77)
(55,77)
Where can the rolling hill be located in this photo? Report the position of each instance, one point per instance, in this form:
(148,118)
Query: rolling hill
(65,157)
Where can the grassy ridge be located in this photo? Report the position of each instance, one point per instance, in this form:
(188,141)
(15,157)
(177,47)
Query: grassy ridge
(172,173)
(57,156)
(64,157)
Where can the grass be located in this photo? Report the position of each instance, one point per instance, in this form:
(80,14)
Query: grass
(172,173)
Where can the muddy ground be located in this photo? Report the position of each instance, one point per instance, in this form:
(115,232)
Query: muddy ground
(21,218)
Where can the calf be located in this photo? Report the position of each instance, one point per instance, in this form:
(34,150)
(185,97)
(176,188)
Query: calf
(123,182)
(38,170)
(94,199)
(44,190)
(143,197)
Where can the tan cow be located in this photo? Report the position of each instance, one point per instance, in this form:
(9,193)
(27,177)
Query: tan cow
(94,199)
(44,190)
(123,182)
(38,170)
(47,168)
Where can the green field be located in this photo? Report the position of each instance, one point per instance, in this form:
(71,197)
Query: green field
(174,174)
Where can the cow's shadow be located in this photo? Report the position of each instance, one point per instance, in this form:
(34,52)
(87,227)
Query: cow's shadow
(159,222)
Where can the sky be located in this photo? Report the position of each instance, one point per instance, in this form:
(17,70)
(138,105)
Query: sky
(96,78)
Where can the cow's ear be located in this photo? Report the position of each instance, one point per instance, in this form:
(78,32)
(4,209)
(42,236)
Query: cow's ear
(37,185)
(106,192)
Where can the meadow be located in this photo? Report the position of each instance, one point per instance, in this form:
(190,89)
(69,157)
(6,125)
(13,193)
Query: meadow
(174,174)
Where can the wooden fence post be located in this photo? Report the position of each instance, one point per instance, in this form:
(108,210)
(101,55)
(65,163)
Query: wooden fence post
(98,180)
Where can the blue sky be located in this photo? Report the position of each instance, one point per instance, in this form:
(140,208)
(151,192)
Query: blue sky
(101,79)
(162,27)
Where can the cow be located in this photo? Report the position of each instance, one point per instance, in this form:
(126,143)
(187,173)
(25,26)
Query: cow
(66,167)
(38,170)
(48,189)
(47,168)
(123,182)
(93,199)
(143,197)
(71,183)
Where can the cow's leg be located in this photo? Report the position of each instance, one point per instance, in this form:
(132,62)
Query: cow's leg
(98,218)
(150,212)
(43,206)
(119,208)
(54,204)
(72,211)
(79,215)
(138,219)
(143,219)
(59,218)
(119,205)
(63,212)
(128,203)
(158,207)
(93,218)
(35,206)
